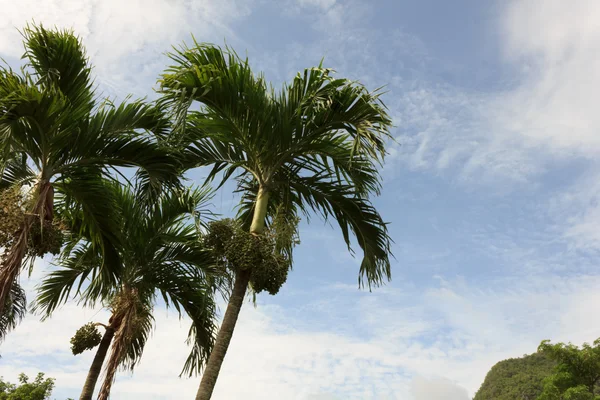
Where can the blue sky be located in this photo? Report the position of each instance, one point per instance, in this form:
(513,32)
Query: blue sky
(492,191)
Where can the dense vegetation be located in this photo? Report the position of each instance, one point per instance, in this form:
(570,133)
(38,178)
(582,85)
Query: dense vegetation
(556,372)
(38,389)
(577,374)
(516,378)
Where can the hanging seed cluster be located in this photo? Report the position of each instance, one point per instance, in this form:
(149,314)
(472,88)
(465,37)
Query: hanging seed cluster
(267,257)
(86,338)
(12,215)
(45,237)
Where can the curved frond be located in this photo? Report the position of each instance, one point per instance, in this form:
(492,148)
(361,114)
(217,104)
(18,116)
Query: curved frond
(353,214)
(14,171)
(88,205)
(177,205)
(330,199)
(14,309)
(77,268)
(191,292)
(60,63)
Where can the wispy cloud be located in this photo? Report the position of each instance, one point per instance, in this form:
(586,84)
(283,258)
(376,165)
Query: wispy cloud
(125,40)
(555,46)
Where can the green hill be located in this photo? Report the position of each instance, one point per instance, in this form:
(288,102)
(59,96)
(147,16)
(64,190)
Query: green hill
(516,378)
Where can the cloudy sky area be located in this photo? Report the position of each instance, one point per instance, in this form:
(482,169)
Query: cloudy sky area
(493,193)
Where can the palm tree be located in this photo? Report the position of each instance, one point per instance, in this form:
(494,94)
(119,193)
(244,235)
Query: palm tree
(160,256)
(312,147)
(56,136)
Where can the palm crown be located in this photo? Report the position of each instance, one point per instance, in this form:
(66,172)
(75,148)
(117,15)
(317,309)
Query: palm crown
(160,255)
(313,146)
(55,135)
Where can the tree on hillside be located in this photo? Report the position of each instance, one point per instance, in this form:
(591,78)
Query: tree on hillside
(57,139)
(577,373)
(312,147)
(161,256)
(516,378)
(38,389)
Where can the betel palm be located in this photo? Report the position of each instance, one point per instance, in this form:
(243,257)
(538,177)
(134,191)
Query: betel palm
(312,147)
(160,257)
(55,135)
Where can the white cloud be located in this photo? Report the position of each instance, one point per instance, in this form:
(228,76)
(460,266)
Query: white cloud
(437,389)
(395,343)
(576,211)
(546,114)
(556,45)
(125,40)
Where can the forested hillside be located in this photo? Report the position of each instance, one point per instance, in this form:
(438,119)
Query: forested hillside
(516,378)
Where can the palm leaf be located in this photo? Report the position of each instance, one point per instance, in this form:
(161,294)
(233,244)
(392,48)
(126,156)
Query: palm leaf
(15,309)
(60,63)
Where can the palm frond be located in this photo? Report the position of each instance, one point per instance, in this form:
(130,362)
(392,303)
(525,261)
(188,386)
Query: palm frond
(324,195)
(352,213)
(77,267)
(178,205)
(60,64)
(15,308)
(191,292)
(15,171)
(91,210)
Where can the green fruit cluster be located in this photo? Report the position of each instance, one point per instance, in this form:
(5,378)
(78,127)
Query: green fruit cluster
(266,256)
(86,338)
(45,237)
(12,215)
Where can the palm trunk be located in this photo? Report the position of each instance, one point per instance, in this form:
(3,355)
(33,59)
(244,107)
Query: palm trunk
(242,278)
(96,367)
(12,262)
(124,324)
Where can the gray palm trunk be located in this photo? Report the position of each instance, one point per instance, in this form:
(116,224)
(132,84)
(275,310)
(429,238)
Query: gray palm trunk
(240,285)
(213,367)
(96,367)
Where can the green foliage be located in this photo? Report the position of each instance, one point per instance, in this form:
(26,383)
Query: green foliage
(38,389)
(516,378)
(86,338)
(577,373)
(556,372)
(267,256)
